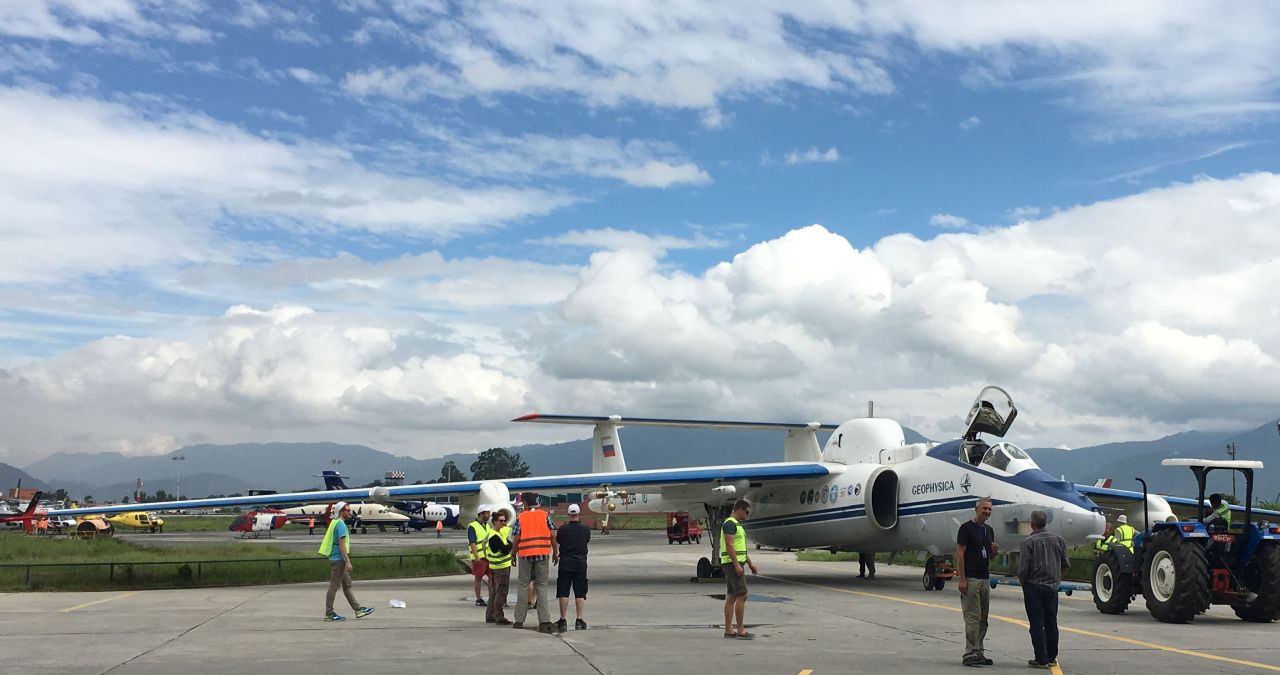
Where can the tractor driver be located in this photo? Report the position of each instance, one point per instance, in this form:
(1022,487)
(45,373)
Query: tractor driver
(1219,515)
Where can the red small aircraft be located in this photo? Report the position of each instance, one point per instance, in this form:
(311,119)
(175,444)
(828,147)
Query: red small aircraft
(254,523)
(29,517)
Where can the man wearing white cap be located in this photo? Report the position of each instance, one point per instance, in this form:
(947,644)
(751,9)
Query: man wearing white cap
(478,537)
(337,546)
(1124,532)
(572,539)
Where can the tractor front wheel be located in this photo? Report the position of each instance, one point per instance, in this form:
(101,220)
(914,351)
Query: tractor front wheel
(1112,589)
(1262,579)
(1175,574)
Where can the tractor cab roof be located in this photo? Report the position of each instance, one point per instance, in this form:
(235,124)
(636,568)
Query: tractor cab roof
(1214,463)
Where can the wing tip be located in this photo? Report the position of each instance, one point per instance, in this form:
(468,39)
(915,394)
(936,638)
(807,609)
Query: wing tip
(531,417)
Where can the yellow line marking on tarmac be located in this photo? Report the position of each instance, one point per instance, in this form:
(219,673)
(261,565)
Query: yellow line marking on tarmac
(806,671)
(1056,669)
(1024,624)
(98,602)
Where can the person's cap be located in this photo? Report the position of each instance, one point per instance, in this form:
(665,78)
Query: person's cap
(574,509)
(1123,519)
(483,508)
(340,506)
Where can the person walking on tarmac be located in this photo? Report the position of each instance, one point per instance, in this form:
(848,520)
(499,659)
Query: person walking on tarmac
(573,538)
(478,540)
(1042,560)
(498,552)
(337,546)
(536,551)
(311,525)
(733,553)
(866,565)
(1124,532)
(975,546)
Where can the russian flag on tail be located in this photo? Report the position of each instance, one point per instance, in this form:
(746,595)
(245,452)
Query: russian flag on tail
(606,448)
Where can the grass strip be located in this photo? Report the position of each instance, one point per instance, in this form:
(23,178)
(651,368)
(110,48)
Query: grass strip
(52,564)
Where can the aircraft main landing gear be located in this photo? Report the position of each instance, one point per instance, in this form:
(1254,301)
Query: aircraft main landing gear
(936,574)
(709,568)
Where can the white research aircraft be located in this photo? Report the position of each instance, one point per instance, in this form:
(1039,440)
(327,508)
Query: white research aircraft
(867,490)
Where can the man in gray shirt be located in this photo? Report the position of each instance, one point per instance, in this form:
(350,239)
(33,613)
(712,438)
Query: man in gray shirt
(1042,560)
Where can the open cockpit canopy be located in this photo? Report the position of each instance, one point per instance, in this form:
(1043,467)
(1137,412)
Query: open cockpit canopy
(992,413)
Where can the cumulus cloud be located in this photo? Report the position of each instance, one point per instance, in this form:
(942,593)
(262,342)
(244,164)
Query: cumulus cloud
(948,221)
(811,156)
(970,123)
(1134,339)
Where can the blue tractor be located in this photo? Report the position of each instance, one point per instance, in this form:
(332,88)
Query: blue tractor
(1181,568)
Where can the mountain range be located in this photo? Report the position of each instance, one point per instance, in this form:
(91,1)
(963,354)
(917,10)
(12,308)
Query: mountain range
(225,469)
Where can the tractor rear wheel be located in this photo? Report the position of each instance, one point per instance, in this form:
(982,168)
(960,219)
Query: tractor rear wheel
(1112,589)
(1175,576)
(1262,576)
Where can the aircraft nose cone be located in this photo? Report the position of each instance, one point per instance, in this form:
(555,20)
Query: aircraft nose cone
(1078,526)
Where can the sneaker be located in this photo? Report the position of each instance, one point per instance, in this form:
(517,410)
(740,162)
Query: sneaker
(363,612)
(562,625)
(987,662)
(579,625)
(518,624)
(488,620)
(503,621)
(480,602)
(972,661)
(1052,664)
(547,627)
(1036,664)
(334,616)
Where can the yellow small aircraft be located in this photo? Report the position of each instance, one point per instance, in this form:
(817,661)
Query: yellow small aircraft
(138,520)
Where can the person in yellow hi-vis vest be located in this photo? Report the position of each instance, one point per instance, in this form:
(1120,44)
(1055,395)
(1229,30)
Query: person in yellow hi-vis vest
(1124,532)
(336,545)
(733,554)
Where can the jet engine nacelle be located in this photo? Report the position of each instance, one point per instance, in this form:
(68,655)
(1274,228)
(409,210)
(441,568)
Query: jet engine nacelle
(876,485)
(495,494)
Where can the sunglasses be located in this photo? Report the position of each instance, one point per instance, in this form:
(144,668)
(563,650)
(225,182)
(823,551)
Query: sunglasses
(500,520)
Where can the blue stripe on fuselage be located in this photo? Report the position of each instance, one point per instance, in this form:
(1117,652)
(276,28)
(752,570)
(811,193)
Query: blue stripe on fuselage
(962,503)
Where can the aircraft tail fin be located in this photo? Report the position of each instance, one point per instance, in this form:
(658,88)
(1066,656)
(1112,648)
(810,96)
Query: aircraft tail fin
(1103,483)
(35,502)
(333,480)
(606,449)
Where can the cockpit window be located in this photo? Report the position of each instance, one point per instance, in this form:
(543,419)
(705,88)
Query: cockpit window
(996,458)
(1015,452)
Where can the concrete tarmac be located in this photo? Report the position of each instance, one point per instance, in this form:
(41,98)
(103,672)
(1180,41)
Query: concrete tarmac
(644,617)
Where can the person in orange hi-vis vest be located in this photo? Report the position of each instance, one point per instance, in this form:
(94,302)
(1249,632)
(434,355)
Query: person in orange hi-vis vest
(536,550)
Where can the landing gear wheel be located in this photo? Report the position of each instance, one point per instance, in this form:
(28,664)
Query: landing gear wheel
(1262,576)
(931,576)
(1175,573)
(1112,589)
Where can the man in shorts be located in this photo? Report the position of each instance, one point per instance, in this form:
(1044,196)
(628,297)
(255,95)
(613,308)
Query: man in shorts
(733,554)
(478,540)
(572,537)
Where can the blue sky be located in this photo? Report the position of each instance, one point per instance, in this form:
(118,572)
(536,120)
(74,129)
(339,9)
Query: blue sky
(402,223)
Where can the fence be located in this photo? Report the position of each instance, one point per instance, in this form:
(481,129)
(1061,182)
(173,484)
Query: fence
(195,573)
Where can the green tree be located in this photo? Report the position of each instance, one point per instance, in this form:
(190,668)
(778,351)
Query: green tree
(497,463)
(88,499)
(450,473)
(160,496)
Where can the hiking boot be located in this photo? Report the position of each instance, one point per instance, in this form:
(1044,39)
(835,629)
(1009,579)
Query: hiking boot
(973,661)
(546,627)
(518,624)
(480,602)
(334,616)
(562,625)
(579,625)
(1036,664)
(363,612)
